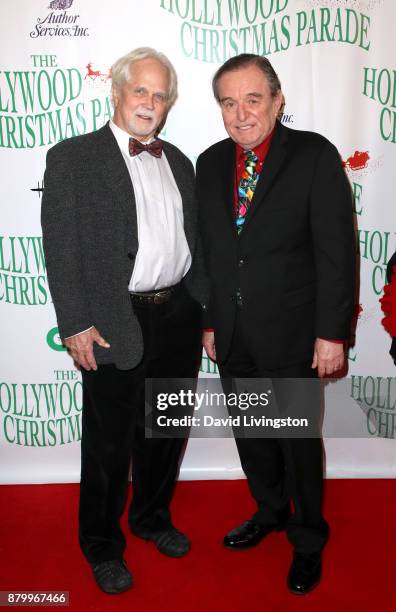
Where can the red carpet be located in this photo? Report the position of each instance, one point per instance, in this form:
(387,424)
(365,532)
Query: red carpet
(39,551)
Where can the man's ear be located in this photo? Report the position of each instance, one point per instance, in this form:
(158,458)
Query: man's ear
(114,95)
(282,107)
(279,102)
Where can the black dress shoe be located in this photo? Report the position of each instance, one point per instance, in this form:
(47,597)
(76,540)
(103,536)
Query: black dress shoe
(248,534)
(112,576)
(305,573)
(169,541)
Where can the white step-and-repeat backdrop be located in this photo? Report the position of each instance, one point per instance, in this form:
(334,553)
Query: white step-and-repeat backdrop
(337,63)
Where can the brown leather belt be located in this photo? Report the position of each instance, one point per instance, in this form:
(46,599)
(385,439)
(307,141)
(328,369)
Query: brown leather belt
(154,297)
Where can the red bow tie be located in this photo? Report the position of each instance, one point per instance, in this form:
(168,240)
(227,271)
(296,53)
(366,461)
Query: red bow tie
(136,147)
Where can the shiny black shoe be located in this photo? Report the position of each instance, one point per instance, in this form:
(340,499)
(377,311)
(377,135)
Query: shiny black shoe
(169,541)
(112,576)
(305,573)
(248,534)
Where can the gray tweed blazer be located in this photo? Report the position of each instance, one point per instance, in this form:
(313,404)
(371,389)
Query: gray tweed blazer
(90,240)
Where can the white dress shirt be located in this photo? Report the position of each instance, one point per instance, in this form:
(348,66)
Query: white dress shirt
(163,257)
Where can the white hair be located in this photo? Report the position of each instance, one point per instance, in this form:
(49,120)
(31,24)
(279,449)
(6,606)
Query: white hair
(121,69)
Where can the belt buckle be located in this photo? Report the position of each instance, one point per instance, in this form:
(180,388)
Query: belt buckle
(161,296)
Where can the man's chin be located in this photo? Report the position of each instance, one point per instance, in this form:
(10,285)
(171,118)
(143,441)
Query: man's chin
(142,134)
(245,144)
(143,131)
(247,141)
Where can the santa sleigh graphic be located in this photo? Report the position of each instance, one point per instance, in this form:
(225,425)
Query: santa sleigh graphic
(357,161)
(93,75)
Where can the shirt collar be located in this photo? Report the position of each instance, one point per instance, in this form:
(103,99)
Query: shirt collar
(122,137)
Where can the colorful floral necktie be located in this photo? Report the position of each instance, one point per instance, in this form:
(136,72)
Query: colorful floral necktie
(246,188)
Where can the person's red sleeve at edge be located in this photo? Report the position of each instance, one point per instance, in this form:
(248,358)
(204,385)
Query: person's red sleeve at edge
(388,305)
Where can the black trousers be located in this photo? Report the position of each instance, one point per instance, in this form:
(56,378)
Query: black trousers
(113,431)
(285,475)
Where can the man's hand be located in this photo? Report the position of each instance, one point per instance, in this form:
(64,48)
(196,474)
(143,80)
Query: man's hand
(208,341)
(329,357)
(81,348)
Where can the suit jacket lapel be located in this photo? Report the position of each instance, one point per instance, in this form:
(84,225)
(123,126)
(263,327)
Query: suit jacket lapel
(272,165)
(186,192)
(117,176)
(224,177)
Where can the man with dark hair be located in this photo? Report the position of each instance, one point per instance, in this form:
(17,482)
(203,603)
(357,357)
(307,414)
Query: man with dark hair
(119,226)
(276,221)
(243,61)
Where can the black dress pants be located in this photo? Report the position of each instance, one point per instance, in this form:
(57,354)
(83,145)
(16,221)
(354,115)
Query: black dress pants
(285,475)
(113,431)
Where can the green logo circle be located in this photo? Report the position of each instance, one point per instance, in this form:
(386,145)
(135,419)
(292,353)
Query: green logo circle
(54,341)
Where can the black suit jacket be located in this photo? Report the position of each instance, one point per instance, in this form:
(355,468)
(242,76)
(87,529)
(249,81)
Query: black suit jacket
(292,269)
(90,239)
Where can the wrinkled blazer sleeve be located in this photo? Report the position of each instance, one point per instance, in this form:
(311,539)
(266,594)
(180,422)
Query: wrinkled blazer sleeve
(207,316)
(62,244)
(331,218)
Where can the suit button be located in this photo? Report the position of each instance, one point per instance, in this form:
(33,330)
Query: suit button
(131,255)
(239,300)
